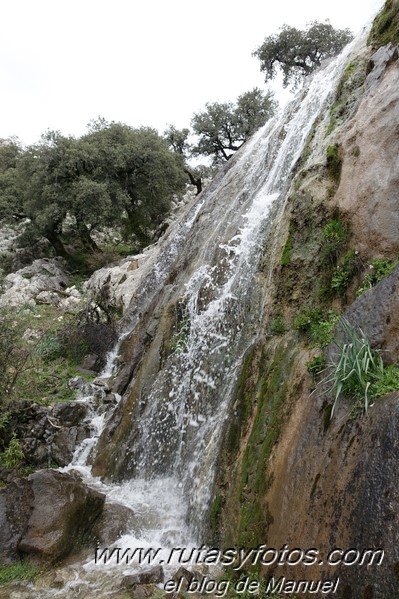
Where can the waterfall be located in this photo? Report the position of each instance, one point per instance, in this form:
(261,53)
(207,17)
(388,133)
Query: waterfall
(205,273)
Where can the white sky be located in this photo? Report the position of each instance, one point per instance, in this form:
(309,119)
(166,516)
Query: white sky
(142,62)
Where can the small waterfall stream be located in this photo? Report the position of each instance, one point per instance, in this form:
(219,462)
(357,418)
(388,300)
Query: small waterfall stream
(169,456)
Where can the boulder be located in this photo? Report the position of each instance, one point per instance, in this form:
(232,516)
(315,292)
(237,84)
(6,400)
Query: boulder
(70,413)
(154,575)
(46,516)
(115,521)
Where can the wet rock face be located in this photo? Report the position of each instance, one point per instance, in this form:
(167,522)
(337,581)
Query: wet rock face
(115,520)
(47,516)
(369,186)
(340,489)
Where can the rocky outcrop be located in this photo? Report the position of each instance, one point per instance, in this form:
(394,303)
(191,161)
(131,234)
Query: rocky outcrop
(47,516)
(369,186)
(45,281)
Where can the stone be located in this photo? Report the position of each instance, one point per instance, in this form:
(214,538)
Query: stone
(142,591)
(70,413)
(89,362)
(115,520)
(154,575)
(59,513)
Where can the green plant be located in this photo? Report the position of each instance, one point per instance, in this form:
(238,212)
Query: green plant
(277,326)
(378,269)
(316,326)
(358,366)
(13,455)
(385,27)
(18,571)
(385,382)
(344,272)
(49,347)
(316,365)
(334,162)
(286,255)
(334,236)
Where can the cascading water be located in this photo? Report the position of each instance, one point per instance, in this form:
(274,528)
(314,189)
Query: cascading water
(178,413)
(165,436)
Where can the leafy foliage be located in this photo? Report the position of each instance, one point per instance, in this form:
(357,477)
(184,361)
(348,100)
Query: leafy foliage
(316,326)
(113,175)
(13,455)
(224,127)
(299,52)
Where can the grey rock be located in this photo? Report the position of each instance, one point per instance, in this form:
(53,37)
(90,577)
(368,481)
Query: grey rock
(62,512)
(70,413)
(154,575)
(115,520)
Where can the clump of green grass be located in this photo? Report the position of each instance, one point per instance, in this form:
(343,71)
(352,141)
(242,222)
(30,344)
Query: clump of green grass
(316,365)
(13,455)
(334,236)
(357,368)
(277,325)
(18,571)
(377,270)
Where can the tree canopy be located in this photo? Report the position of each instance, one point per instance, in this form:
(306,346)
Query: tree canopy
(299,52)
(224,127)
(113,175)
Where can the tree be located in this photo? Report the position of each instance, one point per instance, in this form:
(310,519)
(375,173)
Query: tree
(223,128)
(297,53)
(112,176)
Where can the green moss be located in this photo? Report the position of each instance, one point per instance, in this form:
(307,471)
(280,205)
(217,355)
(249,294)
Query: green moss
(17,571)
(286,255)
(334,162)
(385,27)
(214,519)
(271,397)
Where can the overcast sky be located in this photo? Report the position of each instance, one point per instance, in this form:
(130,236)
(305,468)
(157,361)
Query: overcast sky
(142,62)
